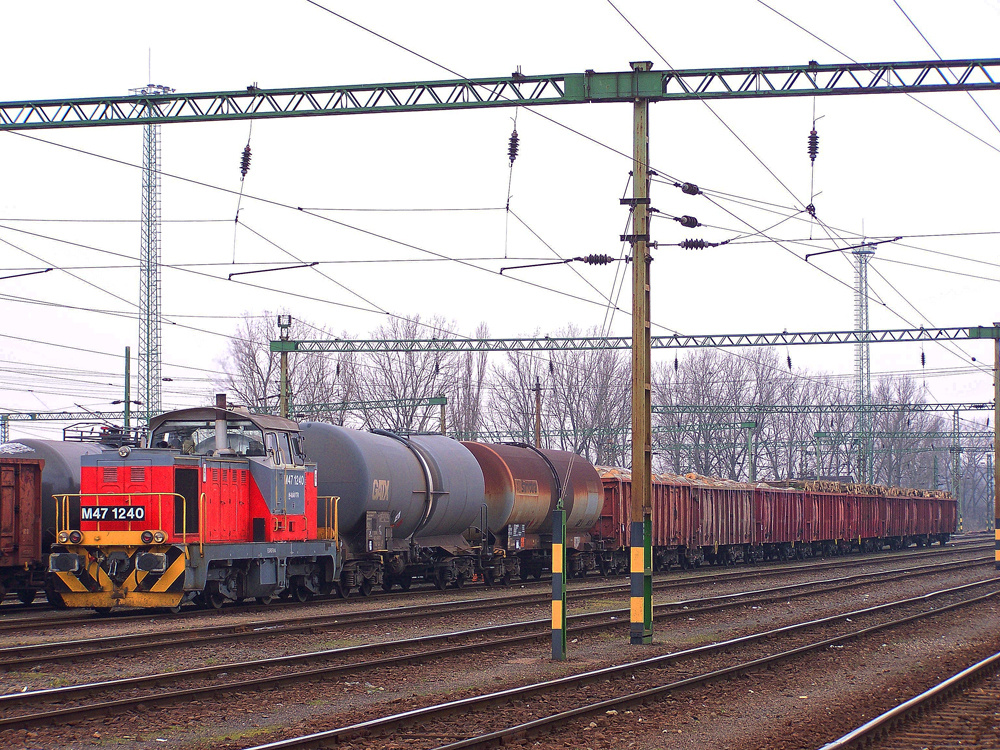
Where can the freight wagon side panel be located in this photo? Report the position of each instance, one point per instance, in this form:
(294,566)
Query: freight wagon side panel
(20,511)
(609,527)
(687,521)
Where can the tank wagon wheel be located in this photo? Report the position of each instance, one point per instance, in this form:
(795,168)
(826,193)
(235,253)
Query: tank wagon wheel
(440,581)
(26,596)
(460,581)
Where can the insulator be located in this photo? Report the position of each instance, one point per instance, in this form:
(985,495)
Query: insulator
(788,358)
(676,363)
(688,221)
(813,144)
(811,210)
(689,188)
(338,369)
(512,147)
(923,360)
(245,161)
(597,260)
(552,367)
(695,244)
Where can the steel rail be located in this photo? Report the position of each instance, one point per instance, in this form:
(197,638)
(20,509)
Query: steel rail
(396,721)
(864,735)
(537,629)
(13,622)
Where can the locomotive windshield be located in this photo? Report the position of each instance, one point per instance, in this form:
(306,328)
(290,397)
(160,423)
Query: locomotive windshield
(197,438)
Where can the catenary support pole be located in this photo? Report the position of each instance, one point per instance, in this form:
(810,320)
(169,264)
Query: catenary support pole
(538,412)
(641,626)
(126,420)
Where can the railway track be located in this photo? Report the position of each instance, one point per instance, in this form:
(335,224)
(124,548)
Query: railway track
(542,708)
(43,707)
(959,711)
(30,656)
(22,620)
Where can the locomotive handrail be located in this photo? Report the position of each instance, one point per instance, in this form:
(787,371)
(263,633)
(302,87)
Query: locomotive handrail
(62,516)
(332,517)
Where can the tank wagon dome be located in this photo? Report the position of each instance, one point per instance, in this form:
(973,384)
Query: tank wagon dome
(431,485)
(522,486)
(60,476)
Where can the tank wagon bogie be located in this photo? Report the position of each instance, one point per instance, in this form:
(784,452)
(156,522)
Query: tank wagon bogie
(222,507)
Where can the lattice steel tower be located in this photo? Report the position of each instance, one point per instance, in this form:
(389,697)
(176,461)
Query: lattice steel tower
(149,264)
(863,364)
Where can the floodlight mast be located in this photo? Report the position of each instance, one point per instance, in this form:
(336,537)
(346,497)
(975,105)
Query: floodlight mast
(640,86)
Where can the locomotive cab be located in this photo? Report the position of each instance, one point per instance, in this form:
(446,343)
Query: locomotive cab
(220,506)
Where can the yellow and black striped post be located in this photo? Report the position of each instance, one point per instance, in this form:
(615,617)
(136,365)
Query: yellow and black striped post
(996,442)
(559,585)
(641,627)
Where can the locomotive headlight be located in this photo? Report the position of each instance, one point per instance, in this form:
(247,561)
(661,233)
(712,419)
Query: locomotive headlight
(63,537)
(75,537)
(146,537)
(159,537)
(124,451)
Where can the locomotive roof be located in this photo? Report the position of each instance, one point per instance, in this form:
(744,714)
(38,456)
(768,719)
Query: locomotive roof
(209,413)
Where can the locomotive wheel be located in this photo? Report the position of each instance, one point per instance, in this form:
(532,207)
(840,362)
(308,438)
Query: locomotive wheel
(26,596)
(214,599)
(54,599)
(366,587)
(103,611)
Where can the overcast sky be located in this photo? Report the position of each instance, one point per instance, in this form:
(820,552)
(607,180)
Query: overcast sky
(887,166)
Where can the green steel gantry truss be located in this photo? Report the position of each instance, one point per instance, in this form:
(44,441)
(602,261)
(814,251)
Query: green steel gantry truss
(588,343)
(514,91)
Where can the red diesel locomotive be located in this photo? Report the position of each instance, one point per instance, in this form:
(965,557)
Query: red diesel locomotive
(229,511)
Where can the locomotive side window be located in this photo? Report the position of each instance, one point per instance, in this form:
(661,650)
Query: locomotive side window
(272,448)
(286,448)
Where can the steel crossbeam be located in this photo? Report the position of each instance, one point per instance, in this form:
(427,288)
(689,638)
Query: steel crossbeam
(515,91)
(757,409)
(677,341)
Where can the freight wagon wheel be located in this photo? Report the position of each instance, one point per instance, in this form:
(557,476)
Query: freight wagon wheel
(301,593)
(460,581)
(265,600)
(343,590)
(366,587)
(404,582)
(26,596)
(439,580)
